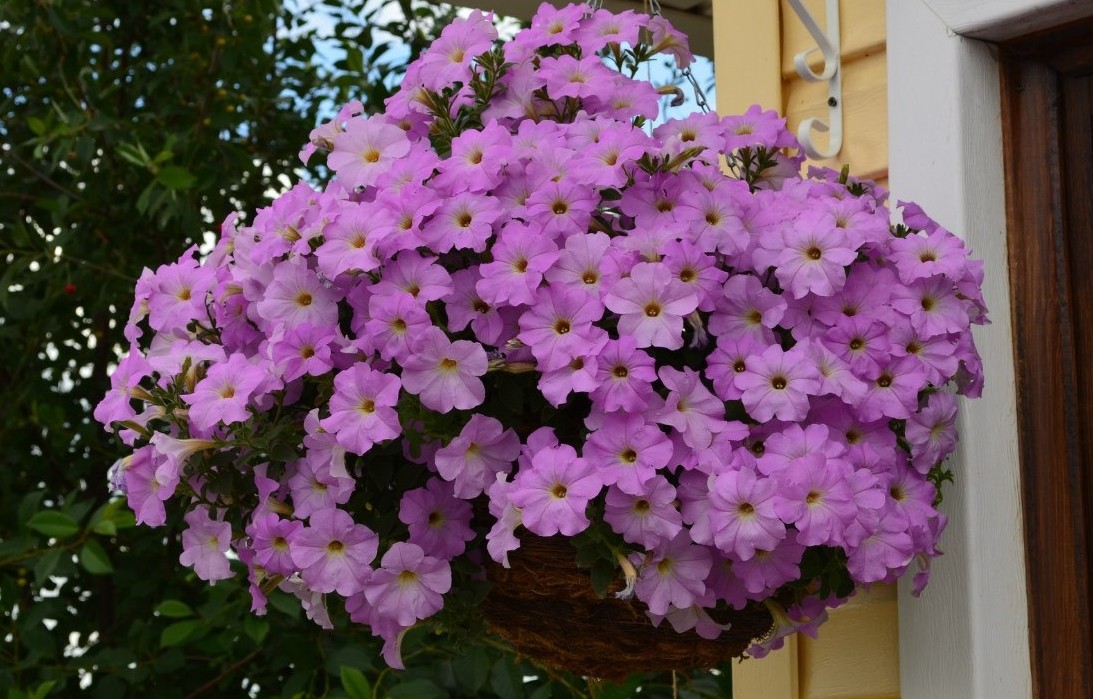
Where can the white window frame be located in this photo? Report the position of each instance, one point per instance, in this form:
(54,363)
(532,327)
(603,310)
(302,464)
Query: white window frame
(967,636)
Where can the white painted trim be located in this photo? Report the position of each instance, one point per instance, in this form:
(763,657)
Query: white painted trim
(967,636)
(998,20)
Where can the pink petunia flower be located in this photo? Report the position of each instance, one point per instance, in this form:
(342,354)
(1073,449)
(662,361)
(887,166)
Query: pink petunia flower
(444,374)
(471,461)
(777,383)
(205,543)
(652,304)
(554,492)
(362,409)
(409,585)
(223,395)
(333,553)
(438,522)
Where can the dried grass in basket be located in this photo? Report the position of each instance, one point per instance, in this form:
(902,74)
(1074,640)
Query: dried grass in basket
(546,608)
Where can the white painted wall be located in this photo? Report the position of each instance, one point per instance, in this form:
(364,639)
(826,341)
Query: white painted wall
(967,636)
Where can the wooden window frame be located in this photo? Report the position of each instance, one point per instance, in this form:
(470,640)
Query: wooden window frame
(1046,108)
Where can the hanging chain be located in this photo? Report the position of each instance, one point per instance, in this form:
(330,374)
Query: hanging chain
(699,95)
(653,7)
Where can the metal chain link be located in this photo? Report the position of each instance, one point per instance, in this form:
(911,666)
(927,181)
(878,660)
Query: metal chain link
(655,11)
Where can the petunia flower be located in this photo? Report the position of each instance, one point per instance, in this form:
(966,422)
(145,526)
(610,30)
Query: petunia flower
(444,374)
(652,303)
(554,492)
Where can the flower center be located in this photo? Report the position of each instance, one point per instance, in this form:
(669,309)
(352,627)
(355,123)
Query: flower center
(853,436)
(436,518)
(367,406)
(652,309)
(814,253)
(357,241)
(745,509)
(739,366)
(620,372)
(448,364)
(303,298)
(590,277)
(664,206)
(280,543)
(629,456)
(480,306)
(307,351)
(713,218)
(227,392)
(884,380)
(856,344)
(398,325)
(407,577)
(558,490)
(559,207)
(927,256)
(928,303)
(520,265)
(913,347)
(335,547)
(754,317)
(371,156)
(897,493)
(686,275)
(778,383)
(641,506)
(812,498)
(183,294)
(464,219)
(561,326)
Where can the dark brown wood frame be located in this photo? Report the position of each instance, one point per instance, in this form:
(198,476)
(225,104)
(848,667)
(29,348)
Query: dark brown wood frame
(1047,114)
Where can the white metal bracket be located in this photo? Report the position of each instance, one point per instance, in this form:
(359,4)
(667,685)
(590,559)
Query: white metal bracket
(829,45)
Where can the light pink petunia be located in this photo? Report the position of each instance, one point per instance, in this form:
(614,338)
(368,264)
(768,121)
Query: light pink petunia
(333,553)
(652,304)
(205,543)
(471,461)
(365,148)
(408,585)
(362,409)
(444,374)
(554,492)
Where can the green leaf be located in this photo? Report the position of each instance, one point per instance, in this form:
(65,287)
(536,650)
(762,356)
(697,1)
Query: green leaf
(256,628)
(53,523)
(94,559)
(38,126)
(176,177)
(472,669)
(503,680)
(543,692)
(42,691)
(354,59)
(416,689)
(178,632)
(354,682)
(174,609)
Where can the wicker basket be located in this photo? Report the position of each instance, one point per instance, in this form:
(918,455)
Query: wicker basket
(546,608)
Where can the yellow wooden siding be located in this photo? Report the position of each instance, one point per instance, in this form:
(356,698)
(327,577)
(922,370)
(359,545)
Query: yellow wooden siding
(856,655)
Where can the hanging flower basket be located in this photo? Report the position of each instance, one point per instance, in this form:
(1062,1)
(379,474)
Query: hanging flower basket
(667,398)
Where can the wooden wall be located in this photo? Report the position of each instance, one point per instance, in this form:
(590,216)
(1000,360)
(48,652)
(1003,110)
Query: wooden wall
(856,655)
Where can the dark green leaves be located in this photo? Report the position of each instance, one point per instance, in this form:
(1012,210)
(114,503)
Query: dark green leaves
(54,524)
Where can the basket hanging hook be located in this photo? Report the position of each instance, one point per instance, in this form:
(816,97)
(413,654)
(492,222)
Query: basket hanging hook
(828,43)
